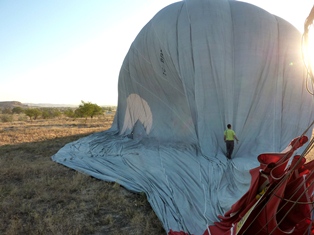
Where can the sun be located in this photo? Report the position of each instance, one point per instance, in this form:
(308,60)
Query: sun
(308,56)
(307,49)
(310,48)
(308,43)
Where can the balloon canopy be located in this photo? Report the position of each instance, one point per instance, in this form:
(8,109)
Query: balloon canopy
(196,66)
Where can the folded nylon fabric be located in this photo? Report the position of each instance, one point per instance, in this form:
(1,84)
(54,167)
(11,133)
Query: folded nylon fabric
(195,67)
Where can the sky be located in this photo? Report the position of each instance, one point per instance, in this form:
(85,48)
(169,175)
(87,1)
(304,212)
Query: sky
(68,51)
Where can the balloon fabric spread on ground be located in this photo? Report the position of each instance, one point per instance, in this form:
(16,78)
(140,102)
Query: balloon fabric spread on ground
(196,66)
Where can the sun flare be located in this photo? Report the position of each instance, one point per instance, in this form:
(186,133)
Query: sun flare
(308,49)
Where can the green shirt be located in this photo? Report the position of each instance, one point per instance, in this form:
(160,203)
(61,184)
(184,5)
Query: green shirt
(229,134)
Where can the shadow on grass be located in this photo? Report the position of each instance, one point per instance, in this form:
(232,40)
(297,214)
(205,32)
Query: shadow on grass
(39,196)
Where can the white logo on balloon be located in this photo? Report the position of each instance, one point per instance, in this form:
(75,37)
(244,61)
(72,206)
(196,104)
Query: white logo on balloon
(137,109)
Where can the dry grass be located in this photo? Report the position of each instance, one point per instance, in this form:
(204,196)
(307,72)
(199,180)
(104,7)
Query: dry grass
(39,196)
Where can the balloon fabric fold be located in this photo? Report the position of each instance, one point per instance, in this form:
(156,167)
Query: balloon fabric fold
(195,67)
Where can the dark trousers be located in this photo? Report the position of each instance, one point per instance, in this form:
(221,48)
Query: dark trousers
(230,146)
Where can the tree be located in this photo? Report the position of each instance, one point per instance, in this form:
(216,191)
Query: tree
(69,113)
(50,113)
(17,110)
(32,113)
(87,109)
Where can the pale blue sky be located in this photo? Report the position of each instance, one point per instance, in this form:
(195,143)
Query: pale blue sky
(65,51)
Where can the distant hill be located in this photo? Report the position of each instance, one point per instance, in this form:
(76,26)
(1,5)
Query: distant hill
(43,105)
(12,104)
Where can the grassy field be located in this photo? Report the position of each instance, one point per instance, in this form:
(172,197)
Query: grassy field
(39,196)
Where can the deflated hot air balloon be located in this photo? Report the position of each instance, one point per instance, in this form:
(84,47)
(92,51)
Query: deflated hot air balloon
(196,66)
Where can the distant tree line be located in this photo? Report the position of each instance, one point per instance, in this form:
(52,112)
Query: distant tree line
(85,110)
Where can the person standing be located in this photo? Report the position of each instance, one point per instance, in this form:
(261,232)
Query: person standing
(229,137)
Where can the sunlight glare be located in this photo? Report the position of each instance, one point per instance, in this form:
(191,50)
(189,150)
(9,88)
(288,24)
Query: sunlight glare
(310,48)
